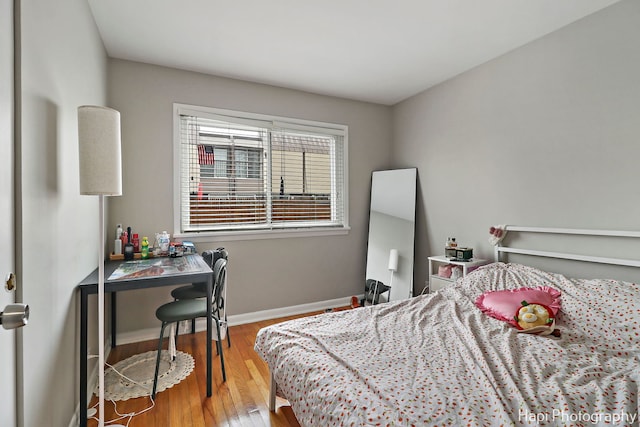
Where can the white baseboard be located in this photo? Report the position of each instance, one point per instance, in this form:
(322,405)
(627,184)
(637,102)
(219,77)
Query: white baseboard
(241,319)
(257,316)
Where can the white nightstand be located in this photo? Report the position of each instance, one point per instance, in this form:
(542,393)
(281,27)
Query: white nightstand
(437,282)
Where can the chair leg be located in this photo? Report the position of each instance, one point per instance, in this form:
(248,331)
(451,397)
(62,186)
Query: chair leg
(193,326)
(219,348)
(155,376)
(217,309)
(173,344)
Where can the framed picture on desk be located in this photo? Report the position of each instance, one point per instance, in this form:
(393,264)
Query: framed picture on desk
(166,266)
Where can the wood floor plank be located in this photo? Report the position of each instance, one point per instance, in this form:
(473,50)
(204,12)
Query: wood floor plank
(240,401)
(261,386)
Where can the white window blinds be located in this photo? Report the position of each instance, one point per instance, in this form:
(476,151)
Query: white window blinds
(243,173)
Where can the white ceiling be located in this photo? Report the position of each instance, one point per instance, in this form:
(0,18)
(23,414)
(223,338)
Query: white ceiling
(381,51)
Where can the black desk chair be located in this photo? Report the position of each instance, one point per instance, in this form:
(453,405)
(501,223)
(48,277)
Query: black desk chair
(189,309)
(198,291)
(373,289)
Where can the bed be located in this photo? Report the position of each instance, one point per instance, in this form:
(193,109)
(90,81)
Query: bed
(438,359)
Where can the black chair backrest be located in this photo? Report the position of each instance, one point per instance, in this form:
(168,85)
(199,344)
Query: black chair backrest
(211,256)
(375,286)
(373,289)
(219,281)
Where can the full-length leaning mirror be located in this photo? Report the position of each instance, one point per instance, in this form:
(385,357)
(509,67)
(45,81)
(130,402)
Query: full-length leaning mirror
(392,231)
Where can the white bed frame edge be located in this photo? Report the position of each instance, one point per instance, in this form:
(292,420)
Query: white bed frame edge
(272,393)
(499,249)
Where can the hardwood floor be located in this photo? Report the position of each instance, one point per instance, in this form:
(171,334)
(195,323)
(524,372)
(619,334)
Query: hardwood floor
(240,401)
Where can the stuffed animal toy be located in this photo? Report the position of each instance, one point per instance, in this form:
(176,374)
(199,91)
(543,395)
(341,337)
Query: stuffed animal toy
(497,234)
(512,306)
(535,318)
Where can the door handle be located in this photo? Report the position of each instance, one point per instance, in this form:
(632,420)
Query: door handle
(14,316)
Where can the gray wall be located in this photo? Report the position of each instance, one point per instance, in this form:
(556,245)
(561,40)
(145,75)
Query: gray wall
(263,274)
(546,135)
(63,65)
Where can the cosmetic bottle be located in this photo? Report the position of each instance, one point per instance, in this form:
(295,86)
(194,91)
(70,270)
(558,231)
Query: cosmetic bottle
(136,242)
(144,248)
(117,244)
(450,249)
(124,238)
(163,241)
(117,247)
(128,247)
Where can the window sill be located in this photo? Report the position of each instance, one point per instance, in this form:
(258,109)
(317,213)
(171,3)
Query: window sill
(214,236)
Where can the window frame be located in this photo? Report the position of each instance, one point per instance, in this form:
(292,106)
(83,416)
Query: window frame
(250,234)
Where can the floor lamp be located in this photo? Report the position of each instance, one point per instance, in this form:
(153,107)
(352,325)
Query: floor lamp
(393,264)
(100,175)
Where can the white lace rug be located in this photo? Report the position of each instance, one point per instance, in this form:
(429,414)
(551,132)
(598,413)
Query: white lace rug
(140,369)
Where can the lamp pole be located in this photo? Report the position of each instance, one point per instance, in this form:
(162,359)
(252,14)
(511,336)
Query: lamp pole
(100,175)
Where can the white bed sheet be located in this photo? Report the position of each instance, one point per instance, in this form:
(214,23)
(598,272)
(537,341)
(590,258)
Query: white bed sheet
(438,360)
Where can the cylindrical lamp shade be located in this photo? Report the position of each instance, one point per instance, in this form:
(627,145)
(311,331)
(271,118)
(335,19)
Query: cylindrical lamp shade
(100,153)
(393,260)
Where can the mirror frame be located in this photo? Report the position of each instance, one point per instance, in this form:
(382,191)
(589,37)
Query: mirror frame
(392,226)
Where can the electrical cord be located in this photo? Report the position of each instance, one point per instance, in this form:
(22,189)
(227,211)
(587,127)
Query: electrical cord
(115,406)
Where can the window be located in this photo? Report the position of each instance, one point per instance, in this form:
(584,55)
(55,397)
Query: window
(246,162)
(238,172)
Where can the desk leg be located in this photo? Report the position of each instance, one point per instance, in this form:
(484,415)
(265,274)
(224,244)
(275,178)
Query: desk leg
(113,319)
(83,358)
(209,336)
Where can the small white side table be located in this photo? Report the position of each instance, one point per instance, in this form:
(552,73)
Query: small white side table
(438,282)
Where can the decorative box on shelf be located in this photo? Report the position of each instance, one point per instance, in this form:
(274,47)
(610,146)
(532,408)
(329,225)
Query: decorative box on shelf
(464,254)
(458,254)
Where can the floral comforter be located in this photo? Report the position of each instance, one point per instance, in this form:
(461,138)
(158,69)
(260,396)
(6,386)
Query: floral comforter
(439,360)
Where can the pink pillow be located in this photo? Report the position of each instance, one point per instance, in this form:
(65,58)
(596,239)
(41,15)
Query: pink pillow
(502,305)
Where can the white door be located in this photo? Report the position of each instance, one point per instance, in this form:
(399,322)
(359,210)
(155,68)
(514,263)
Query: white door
(7,257)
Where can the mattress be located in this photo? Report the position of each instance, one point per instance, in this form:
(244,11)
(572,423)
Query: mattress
(439,360)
